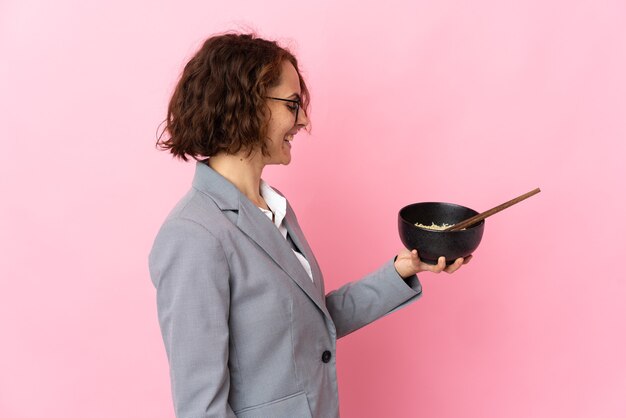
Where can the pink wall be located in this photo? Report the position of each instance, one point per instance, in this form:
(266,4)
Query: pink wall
(469,102)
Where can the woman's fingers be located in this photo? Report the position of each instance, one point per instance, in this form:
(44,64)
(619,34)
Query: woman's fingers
(454,266)
(441,263)
(415,256)
(437,268)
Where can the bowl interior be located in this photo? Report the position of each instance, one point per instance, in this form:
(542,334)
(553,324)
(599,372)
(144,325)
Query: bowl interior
(438,213)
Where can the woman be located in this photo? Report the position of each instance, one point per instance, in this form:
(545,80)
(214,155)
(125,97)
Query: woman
(248,327)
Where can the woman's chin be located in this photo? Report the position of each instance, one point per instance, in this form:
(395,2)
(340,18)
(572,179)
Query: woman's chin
(286,158)
(283,161)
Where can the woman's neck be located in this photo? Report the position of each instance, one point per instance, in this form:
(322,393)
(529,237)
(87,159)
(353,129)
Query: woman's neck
(244,173)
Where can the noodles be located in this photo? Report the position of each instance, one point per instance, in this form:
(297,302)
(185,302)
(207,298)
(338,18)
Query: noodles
(433,227)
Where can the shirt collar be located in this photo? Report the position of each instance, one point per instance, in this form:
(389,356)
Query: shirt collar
(276,202)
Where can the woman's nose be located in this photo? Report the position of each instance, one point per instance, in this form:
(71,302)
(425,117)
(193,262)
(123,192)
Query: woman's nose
(303,119)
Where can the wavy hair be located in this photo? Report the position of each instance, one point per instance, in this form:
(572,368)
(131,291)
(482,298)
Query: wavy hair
(219,103)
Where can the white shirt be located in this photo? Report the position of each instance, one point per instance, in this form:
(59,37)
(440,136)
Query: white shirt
(278,205)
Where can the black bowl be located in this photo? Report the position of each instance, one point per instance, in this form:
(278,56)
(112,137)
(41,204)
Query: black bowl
(431,244)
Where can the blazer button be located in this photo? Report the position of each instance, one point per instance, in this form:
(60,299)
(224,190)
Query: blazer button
(326,356)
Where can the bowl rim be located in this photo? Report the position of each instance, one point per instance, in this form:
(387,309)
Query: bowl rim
(434,230)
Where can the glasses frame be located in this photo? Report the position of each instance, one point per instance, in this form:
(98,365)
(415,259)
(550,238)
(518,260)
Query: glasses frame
(296,101)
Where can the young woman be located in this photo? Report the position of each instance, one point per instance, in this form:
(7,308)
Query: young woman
(248,327)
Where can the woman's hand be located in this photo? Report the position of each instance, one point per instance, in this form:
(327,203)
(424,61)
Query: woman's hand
(408,263)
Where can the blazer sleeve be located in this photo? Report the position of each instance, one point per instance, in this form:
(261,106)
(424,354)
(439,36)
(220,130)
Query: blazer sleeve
(190,272)
(357,304)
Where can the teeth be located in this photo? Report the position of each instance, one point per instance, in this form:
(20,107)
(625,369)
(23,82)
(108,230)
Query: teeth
(289,138)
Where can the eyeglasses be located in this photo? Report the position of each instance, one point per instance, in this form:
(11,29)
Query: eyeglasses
(294,108)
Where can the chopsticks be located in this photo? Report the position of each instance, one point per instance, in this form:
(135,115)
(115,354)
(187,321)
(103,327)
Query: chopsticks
(477,218)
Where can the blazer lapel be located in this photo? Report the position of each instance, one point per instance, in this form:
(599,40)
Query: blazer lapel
(260,229)
(295,233)
(252,222)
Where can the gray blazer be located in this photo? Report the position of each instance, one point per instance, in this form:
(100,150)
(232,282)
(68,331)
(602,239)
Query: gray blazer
(247,333)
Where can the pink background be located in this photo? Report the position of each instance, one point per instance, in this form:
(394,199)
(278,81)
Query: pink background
(468,102)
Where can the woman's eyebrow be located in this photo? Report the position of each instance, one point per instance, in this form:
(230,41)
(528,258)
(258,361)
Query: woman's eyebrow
(296,95)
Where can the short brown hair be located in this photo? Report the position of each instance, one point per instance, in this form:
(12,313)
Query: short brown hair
(219,103)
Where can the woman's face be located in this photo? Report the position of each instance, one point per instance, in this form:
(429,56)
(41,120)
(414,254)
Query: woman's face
(283,125)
